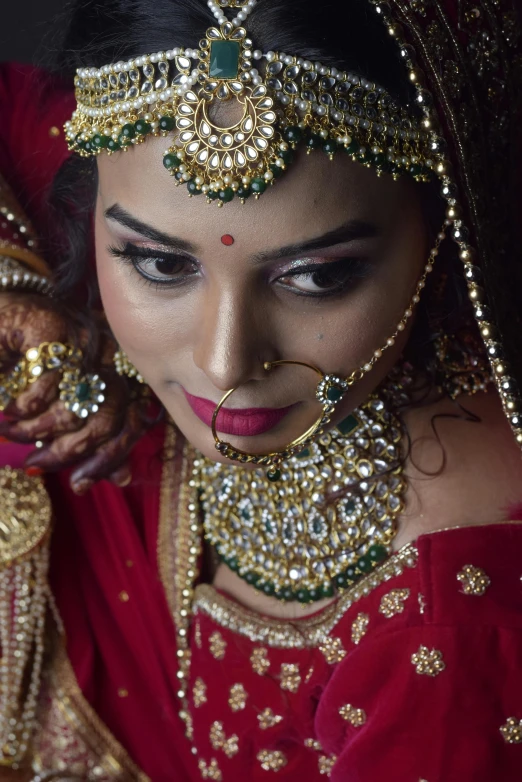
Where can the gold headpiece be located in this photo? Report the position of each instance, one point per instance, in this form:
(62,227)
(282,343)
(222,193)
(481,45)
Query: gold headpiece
(289,101)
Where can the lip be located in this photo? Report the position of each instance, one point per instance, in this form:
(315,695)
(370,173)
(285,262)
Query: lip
(242,422)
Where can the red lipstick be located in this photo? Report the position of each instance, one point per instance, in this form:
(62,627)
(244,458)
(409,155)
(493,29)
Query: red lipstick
(242,422)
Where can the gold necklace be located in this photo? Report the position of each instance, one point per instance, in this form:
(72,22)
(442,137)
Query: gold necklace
(330,519)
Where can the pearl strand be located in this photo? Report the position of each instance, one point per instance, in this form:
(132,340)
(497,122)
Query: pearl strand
(217,10)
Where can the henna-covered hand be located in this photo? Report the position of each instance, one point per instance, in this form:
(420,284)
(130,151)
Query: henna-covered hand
(98,446)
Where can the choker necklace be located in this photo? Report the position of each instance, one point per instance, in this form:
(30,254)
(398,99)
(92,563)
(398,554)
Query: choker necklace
(330,519)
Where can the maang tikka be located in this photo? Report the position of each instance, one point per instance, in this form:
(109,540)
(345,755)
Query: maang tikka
(282,101)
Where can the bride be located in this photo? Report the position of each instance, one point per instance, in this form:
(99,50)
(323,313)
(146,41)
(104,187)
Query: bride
(260,313)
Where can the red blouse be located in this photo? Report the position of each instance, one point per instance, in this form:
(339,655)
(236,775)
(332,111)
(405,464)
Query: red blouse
(413,674)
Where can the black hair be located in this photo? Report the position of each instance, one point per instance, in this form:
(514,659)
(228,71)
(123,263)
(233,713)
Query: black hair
(343,33)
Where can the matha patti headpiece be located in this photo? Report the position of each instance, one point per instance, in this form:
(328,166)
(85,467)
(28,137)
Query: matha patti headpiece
(186,92)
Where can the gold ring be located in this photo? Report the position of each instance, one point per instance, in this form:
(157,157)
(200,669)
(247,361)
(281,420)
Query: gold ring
(330,390)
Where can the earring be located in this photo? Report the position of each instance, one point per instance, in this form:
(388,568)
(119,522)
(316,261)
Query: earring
(461,364)
(124,366)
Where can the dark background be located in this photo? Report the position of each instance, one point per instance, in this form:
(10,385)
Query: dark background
(23,25)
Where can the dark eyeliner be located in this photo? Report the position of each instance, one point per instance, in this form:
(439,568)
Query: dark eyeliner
(360,269)
(131,254)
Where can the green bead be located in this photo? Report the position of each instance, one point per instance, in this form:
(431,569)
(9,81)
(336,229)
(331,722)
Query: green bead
(268,589)
(193,189)
(353,147)
(128,130)
(364,564)
(379,159)
(88,146)
(232,563)
(314,141)
(328,591)
(303,596)
(415,170)
(244,192)
(334,393)
(224,59)
(286,594)
(365,156)
(171,161)
(100,141)
(258,185)
(251,578)
(83,392)
(273,475)
(212,194)
(377,553)
(341,580)
(143,127)
(330,147)
(124,141)
(351,573)
(287,155)
(113,146)
(166,123)
(226,195)
(304,454)
(293,134)
(348,425)
(276,170)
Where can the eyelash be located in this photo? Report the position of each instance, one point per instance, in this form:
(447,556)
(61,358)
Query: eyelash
(354,268)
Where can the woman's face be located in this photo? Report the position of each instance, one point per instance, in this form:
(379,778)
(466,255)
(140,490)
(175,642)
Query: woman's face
(320,270)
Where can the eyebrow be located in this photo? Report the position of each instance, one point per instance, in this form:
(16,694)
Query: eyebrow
(121,216)
(353,229)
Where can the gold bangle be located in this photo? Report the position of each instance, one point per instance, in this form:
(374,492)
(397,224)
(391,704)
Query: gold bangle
(27,257)
(330,390)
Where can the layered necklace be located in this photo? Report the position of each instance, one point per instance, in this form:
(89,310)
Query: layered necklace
(330,519)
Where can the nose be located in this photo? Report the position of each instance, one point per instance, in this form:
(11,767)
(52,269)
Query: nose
(231,343)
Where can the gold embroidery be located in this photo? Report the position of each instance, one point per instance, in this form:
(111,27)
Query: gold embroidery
(393,603)
(124,597)
(333,649)
(272,760)
(309,632)
(474,580)
(422,603)
(326,764)
(217,645)
(259,661)
(309,675)
(218,740)
(428,662)
(355,717)
(54,132)
(237,697)
(290,677)
(313,744)
(199,692)
(359,627)
(267,719)
(512,731)
(123,693)
(210,770)
(197,635)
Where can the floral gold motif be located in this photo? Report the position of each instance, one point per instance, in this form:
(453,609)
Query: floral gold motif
(290,677)
(199,692)
(428,662)
(474,580)
(272,760)
(313,744)
(237,697)
(512,731)
(359,627)
(219,740)
(355,717)
(259,661)
(267,719)
(333,650)
(326,764)
(393,602)
(210,770)
(217,645)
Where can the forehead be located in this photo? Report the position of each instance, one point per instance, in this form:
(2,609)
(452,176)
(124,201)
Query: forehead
(314,195)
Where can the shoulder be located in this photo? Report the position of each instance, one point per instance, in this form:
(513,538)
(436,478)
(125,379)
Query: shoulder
(431,663)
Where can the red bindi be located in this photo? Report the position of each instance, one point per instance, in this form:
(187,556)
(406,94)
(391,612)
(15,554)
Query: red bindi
(227,240)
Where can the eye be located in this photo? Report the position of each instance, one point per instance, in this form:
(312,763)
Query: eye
(159,268)
(326,278)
